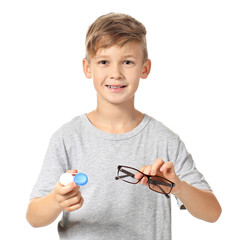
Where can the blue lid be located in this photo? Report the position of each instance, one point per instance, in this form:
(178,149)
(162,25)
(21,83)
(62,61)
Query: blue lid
(81,179)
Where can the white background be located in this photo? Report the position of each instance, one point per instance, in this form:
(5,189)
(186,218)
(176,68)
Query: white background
(195,88)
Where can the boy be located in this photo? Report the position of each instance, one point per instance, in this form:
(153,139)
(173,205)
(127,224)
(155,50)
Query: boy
(117,134)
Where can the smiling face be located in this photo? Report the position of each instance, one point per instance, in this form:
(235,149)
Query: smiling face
(116,72)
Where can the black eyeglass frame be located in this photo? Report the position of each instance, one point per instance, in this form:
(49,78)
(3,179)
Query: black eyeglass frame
(149,181)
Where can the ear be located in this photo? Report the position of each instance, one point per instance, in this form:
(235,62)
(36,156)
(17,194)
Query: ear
(87,68)
(146,69)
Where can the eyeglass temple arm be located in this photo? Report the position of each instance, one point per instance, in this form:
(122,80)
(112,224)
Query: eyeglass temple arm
(155,184)
(128,174)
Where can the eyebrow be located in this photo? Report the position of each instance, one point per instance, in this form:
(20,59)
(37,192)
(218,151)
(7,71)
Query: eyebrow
(129,56)
(101,56)
(107,56)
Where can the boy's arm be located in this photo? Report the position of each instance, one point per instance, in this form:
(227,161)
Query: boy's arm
(43,211)
(200,203)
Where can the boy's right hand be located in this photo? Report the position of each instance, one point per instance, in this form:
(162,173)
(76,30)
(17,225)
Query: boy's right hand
(68,197)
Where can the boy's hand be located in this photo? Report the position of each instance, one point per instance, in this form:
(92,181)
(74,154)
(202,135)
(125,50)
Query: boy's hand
(162,169)
(68,197)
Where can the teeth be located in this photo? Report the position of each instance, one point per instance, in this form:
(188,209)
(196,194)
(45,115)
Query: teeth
(114,87)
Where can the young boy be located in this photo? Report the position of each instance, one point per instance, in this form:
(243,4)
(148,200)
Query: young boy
(115,133)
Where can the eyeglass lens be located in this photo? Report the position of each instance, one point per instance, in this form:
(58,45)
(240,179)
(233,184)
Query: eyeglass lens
(133,176)
(159,184)
(129,175)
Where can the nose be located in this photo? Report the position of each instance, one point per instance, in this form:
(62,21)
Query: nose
(115,72)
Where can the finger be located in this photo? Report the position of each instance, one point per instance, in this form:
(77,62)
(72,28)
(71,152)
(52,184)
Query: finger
(144,181)
(138,175)
(156,166)
(146,171)
(61,198)
(63,190)
(71,201)
(142,168)
(72,171)
(75,206)
(73,193)
(167,167)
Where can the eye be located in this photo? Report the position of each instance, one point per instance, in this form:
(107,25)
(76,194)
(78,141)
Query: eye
(128,62)
(103,62)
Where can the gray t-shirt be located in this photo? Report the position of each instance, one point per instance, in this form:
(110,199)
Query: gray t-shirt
(115,209)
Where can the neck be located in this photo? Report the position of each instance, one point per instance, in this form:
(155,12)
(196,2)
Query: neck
(115,118)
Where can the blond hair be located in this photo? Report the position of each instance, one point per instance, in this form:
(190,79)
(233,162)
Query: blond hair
(114,29)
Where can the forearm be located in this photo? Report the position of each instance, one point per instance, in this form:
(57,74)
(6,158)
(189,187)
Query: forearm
(43,211)
(200,203)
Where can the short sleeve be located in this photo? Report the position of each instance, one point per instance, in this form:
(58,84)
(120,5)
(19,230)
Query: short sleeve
(54,164)
(185,167)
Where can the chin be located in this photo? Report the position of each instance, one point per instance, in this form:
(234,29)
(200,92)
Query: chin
(120,101)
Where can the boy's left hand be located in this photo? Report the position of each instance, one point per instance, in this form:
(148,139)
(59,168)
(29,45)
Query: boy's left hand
(162,169)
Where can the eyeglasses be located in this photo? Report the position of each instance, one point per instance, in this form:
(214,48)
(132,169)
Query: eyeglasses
(155,183)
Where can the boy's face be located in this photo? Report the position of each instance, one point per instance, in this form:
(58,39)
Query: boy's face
(116,72)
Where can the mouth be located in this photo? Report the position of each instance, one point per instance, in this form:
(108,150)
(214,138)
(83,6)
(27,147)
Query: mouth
(116,86)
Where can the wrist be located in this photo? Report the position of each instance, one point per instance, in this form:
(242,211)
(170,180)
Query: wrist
(55,202)
(178,189)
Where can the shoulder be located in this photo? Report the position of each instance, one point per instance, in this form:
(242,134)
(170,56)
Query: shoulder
(164,136)
(161,130)
(169,139)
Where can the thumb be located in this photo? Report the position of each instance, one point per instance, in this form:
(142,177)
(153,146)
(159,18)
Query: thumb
(72,171)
